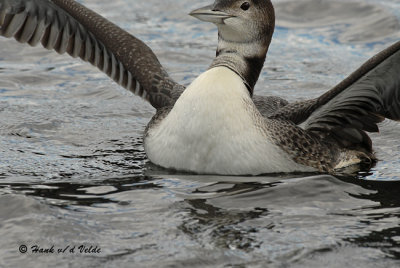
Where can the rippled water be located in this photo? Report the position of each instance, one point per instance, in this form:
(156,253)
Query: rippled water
(73,171)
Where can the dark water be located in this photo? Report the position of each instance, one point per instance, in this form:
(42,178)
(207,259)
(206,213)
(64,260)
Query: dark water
(73,171)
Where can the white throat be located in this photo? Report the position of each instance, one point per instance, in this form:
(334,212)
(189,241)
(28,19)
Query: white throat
(214,127)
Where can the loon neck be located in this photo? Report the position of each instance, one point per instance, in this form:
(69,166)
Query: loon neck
(246,59)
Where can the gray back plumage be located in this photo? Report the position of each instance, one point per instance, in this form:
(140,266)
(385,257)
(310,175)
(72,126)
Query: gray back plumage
(67,26)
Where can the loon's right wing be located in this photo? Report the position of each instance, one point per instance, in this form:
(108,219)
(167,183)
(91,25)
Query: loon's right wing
(67,26)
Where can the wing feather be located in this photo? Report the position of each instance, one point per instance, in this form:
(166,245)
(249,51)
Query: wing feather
(357,104)
(68,27)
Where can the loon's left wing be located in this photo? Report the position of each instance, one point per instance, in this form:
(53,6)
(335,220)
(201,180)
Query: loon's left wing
(67,26)
(357,104)
(385,64)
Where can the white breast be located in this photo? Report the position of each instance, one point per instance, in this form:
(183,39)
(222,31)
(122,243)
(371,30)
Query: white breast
(212,129)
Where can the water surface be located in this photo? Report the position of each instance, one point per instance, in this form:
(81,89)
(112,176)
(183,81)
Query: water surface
(73,170)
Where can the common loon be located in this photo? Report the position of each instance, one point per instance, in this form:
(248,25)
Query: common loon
(216,125)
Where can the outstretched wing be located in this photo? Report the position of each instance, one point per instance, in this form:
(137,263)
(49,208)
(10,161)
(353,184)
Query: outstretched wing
(357,104)
(67,26)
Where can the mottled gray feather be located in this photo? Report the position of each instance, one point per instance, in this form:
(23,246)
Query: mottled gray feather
(268,105)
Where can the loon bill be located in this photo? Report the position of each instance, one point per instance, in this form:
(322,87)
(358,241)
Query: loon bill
(216,125)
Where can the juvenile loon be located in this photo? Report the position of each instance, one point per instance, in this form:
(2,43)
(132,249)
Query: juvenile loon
(216,125)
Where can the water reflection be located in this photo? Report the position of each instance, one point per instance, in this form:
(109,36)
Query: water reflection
(223,228)
(252,215)
(66,194)
(386,193)
(387,240)
(386,210)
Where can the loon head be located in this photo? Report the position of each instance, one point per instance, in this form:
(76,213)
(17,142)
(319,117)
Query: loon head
(245,29)
(240,20)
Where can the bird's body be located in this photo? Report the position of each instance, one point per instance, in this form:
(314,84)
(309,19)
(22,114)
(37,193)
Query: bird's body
(216,125)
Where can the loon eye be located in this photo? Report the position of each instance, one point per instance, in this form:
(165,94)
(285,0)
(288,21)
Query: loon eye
(245,6)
